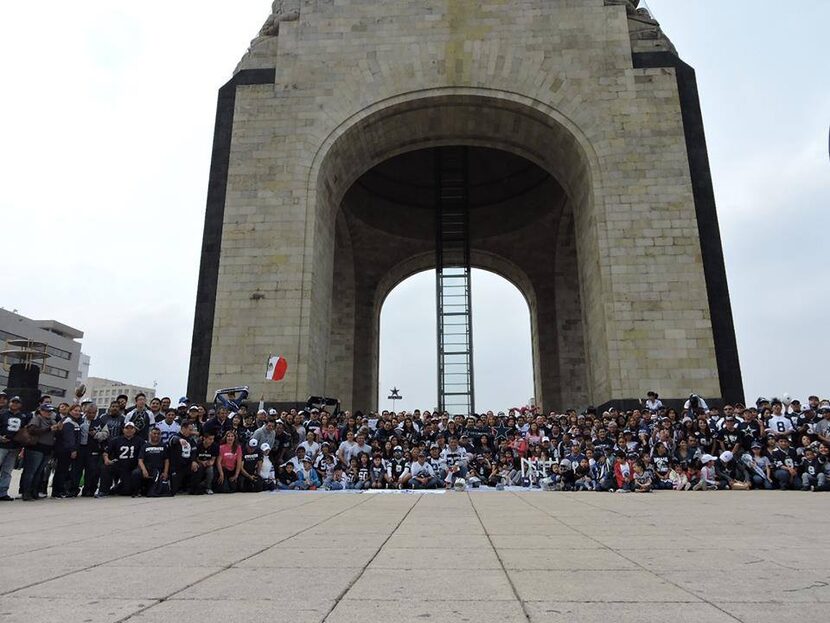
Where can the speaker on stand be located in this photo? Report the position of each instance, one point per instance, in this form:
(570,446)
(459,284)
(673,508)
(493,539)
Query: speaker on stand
(19,357)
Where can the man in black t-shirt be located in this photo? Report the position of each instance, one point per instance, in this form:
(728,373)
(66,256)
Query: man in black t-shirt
(181,451)
(153,465)
(249,480)
(729,437)
(120,459)
(206,453)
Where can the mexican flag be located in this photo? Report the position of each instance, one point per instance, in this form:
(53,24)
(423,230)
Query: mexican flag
(277,366)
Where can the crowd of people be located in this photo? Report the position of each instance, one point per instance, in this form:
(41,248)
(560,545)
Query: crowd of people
(153,448)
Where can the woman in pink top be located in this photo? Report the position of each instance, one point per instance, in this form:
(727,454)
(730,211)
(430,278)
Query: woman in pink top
(229,464)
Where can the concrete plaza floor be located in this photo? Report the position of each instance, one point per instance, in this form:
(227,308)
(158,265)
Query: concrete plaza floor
(554,557)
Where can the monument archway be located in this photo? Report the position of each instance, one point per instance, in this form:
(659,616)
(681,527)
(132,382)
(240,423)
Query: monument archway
(615,233)
(375,183)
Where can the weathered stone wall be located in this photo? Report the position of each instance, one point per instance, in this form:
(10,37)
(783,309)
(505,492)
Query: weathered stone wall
(551,80)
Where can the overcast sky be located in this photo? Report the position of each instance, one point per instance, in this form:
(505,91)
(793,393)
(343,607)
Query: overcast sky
(106,126)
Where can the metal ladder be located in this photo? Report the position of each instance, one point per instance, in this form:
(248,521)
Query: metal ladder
(452,283)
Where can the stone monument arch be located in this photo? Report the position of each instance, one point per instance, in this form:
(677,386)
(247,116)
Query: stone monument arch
(589,189)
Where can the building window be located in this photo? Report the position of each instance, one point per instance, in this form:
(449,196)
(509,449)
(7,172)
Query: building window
(58,372)
(59,352)
(55,392)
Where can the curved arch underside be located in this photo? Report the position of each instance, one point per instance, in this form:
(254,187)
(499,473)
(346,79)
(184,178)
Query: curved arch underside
(528,236)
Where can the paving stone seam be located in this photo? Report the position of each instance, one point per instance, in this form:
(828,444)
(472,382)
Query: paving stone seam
(501,562)
(244,558)
(632,561)
(212,510)
(343,594)
(156,547)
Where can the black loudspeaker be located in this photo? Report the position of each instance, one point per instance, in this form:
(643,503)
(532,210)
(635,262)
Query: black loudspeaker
(21,375)
(23,382)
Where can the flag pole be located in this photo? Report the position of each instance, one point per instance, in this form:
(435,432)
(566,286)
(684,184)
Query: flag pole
(262,397)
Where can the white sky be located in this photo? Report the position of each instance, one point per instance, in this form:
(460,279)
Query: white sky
(106,123)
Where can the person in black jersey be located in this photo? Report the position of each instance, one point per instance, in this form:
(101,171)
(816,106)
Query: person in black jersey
(784,461)
(181,451)
(812,472)
(153,470)
(249,480)
(206,453)
(120,459)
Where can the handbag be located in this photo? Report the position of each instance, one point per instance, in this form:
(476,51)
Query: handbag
(25,438)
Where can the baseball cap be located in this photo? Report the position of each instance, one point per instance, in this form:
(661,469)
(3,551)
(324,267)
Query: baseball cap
(184,399)
(193,408)
(15,399)
(398,449)
(127,425)
(726,456)
(265,447)
(271,411)
(307,459)
(2,393)
(253,442)
(706,458)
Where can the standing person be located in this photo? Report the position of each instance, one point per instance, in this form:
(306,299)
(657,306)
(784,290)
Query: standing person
(42,426)
(219,424)
(779,425)
(229,464)
(141,417)
(120,461)
(87,444)
(156,414)
(12,421)
(344,450)
(67,449)
(312,447)
(283,445)
(168,426)
(266,435)
(102,430)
